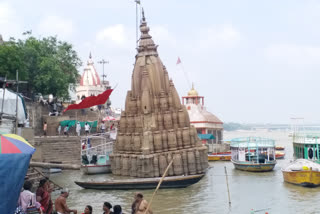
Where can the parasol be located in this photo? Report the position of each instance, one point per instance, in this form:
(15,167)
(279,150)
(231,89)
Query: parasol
(12,144)
(109,118)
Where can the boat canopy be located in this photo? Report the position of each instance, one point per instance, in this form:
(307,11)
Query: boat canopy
(252,142)
(306,138)
(206,136)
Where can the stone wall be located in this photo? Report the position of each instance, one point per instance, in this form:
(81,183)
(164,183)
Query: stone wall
(56,149)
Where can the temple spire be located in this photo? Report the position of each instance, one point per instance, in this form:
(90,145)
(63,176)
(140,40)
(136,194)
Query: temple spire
(90,57)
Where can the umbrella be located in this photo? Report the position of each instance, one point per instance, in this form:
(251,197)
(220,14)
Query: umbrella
(15,155)
(12,144)
(109,118)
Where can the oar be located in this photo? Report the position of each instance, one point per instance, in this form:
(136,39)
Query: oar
(47,178)
(154,193)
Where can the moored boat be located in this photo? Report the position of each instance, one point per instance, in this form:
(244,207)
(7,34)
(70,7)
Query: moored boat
(306,146)
(280,155)
(280,148)
(253,154)
(302,172)
(95,159)
(143,183)
(219,156)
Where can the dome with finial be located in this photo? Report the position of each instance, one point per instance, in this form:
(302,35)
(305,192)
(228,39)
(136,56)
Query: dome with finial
(192,92)
(90,76)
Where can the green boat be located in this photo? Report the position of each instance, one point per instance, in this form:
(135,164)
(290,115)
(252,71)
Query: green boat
(253,154)
(306,146)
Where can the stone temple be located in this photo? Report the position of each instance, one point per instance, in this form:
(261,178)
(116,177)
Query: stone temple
(154,127)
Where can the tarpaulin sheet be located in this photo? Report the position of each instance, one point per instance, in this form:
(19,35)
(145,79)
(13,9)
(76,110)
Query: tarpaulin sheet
(13,169)
(72,123)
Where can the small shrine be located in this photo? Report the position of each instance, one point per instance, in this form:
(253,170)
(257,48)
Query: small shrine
(90,83)
(205,122)
(155,128)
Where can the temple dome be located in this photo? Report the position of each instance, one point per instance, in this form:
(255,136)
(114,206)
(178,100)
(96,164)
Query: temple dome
(192,92)
(90,76)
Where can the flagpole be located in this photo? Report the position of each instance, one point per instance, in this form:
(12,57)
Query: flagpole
(179,62)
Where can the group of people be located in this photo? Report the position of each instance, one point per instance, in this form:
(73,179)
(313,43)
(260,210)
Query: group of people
(87,129)
(41,203)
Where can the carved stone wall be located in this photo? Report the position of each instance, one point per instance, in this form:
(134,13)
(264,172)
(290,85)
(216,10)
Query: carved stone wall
(154,127)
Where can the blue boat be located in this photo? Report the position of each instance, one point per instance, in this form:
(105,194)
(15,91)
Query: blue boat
(253,154)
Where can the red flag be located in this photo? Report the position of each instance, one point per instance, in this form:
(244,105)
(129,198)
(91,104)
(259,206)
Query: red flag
(91,101)
(178,61)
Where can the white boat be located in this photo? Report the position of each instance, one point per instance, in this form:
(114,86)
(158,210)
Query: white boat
(95,159)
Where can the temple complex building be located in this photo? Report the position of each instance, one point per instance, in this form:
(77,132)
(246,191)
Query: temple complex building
(90,83)
(154,128)
(206,123)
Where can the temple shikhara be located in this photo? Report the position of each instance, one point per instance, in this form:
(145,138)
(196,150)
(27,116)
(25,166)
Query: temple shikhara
(155,127)
(90,83)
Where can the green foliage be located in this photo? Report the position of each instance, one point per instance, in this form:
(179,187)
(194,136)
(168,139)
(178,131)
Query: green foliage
(49,65)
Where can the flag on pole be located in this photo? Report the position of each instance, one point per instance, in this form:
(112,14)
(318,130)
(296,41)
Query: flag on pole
(137,1)
(91,101)
(178,61)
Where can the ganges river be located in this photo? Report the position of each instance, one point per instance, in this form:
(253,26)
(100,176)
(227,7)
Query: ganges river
(263,192)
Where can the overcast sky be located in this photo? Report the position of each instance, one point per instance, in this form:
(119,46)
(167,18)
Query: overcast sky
(254,61)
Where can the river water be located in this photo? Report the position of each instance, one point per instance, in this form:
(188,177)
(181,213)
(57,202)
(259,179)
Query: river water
(259,191)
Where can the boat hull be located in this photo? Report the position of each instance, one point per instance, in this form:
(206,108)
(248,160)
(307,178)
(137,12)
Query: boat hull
(254,167)
(302,178)
(143,183)
(219,157)
(92,169)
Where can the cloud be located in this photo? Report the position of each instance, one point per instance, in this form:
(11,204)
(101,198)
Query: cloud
(225,36)
(115,34)
(55,25)
(161,34)
(9,24)
(292,54)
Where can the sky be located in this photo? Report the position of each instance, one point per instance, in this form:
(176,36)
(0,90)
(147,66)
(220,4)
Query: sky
(253,61)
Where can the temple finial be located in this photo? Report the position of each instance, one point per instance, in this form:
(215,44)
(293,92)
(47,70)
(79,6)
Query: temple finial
(143,18)
(90,55)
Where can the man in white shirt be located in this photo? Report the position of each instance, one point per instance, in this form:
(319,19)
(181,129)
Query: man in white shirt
(87,128)
(103,127)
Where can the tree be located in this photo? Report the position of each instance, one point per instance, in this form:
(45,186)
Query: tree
(49,65)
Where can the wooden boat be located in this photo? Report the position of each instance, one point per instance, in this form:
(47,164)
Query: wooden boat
(95,159)
(219,156)
(302,172)
(253,154)
(279,147)
(253,167)
(143,183)
(280,155)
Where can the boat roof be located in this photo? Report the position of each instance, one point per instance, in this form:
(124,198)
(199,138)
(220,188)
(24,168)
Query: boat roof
(252,142)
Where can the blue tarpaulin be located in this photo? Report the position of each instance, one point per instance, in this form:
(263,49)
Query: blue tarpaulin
(13,169)
(206,136)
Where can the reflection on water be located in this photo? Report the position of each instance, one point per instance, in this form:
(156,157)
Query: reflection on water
(248,191)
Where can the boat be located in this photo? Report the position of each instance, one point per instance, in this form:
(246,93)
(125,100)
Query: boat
(280,155)
(306,146)
(280,148)
(143,183)
(302,172)
(219,156)
(95,159)
(253,154)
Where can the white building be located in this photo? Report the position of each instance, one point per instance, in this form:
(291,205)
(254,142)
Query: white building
(205,122)
(90,83)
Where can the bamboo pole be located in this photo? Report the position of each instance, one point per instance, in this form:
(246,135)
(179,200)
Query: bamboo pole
(47,178)
(225,170)
(54,165)
(154,193)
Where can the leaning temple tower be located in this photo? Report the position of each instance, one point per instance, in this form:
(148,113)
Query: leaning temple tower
(154,127)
